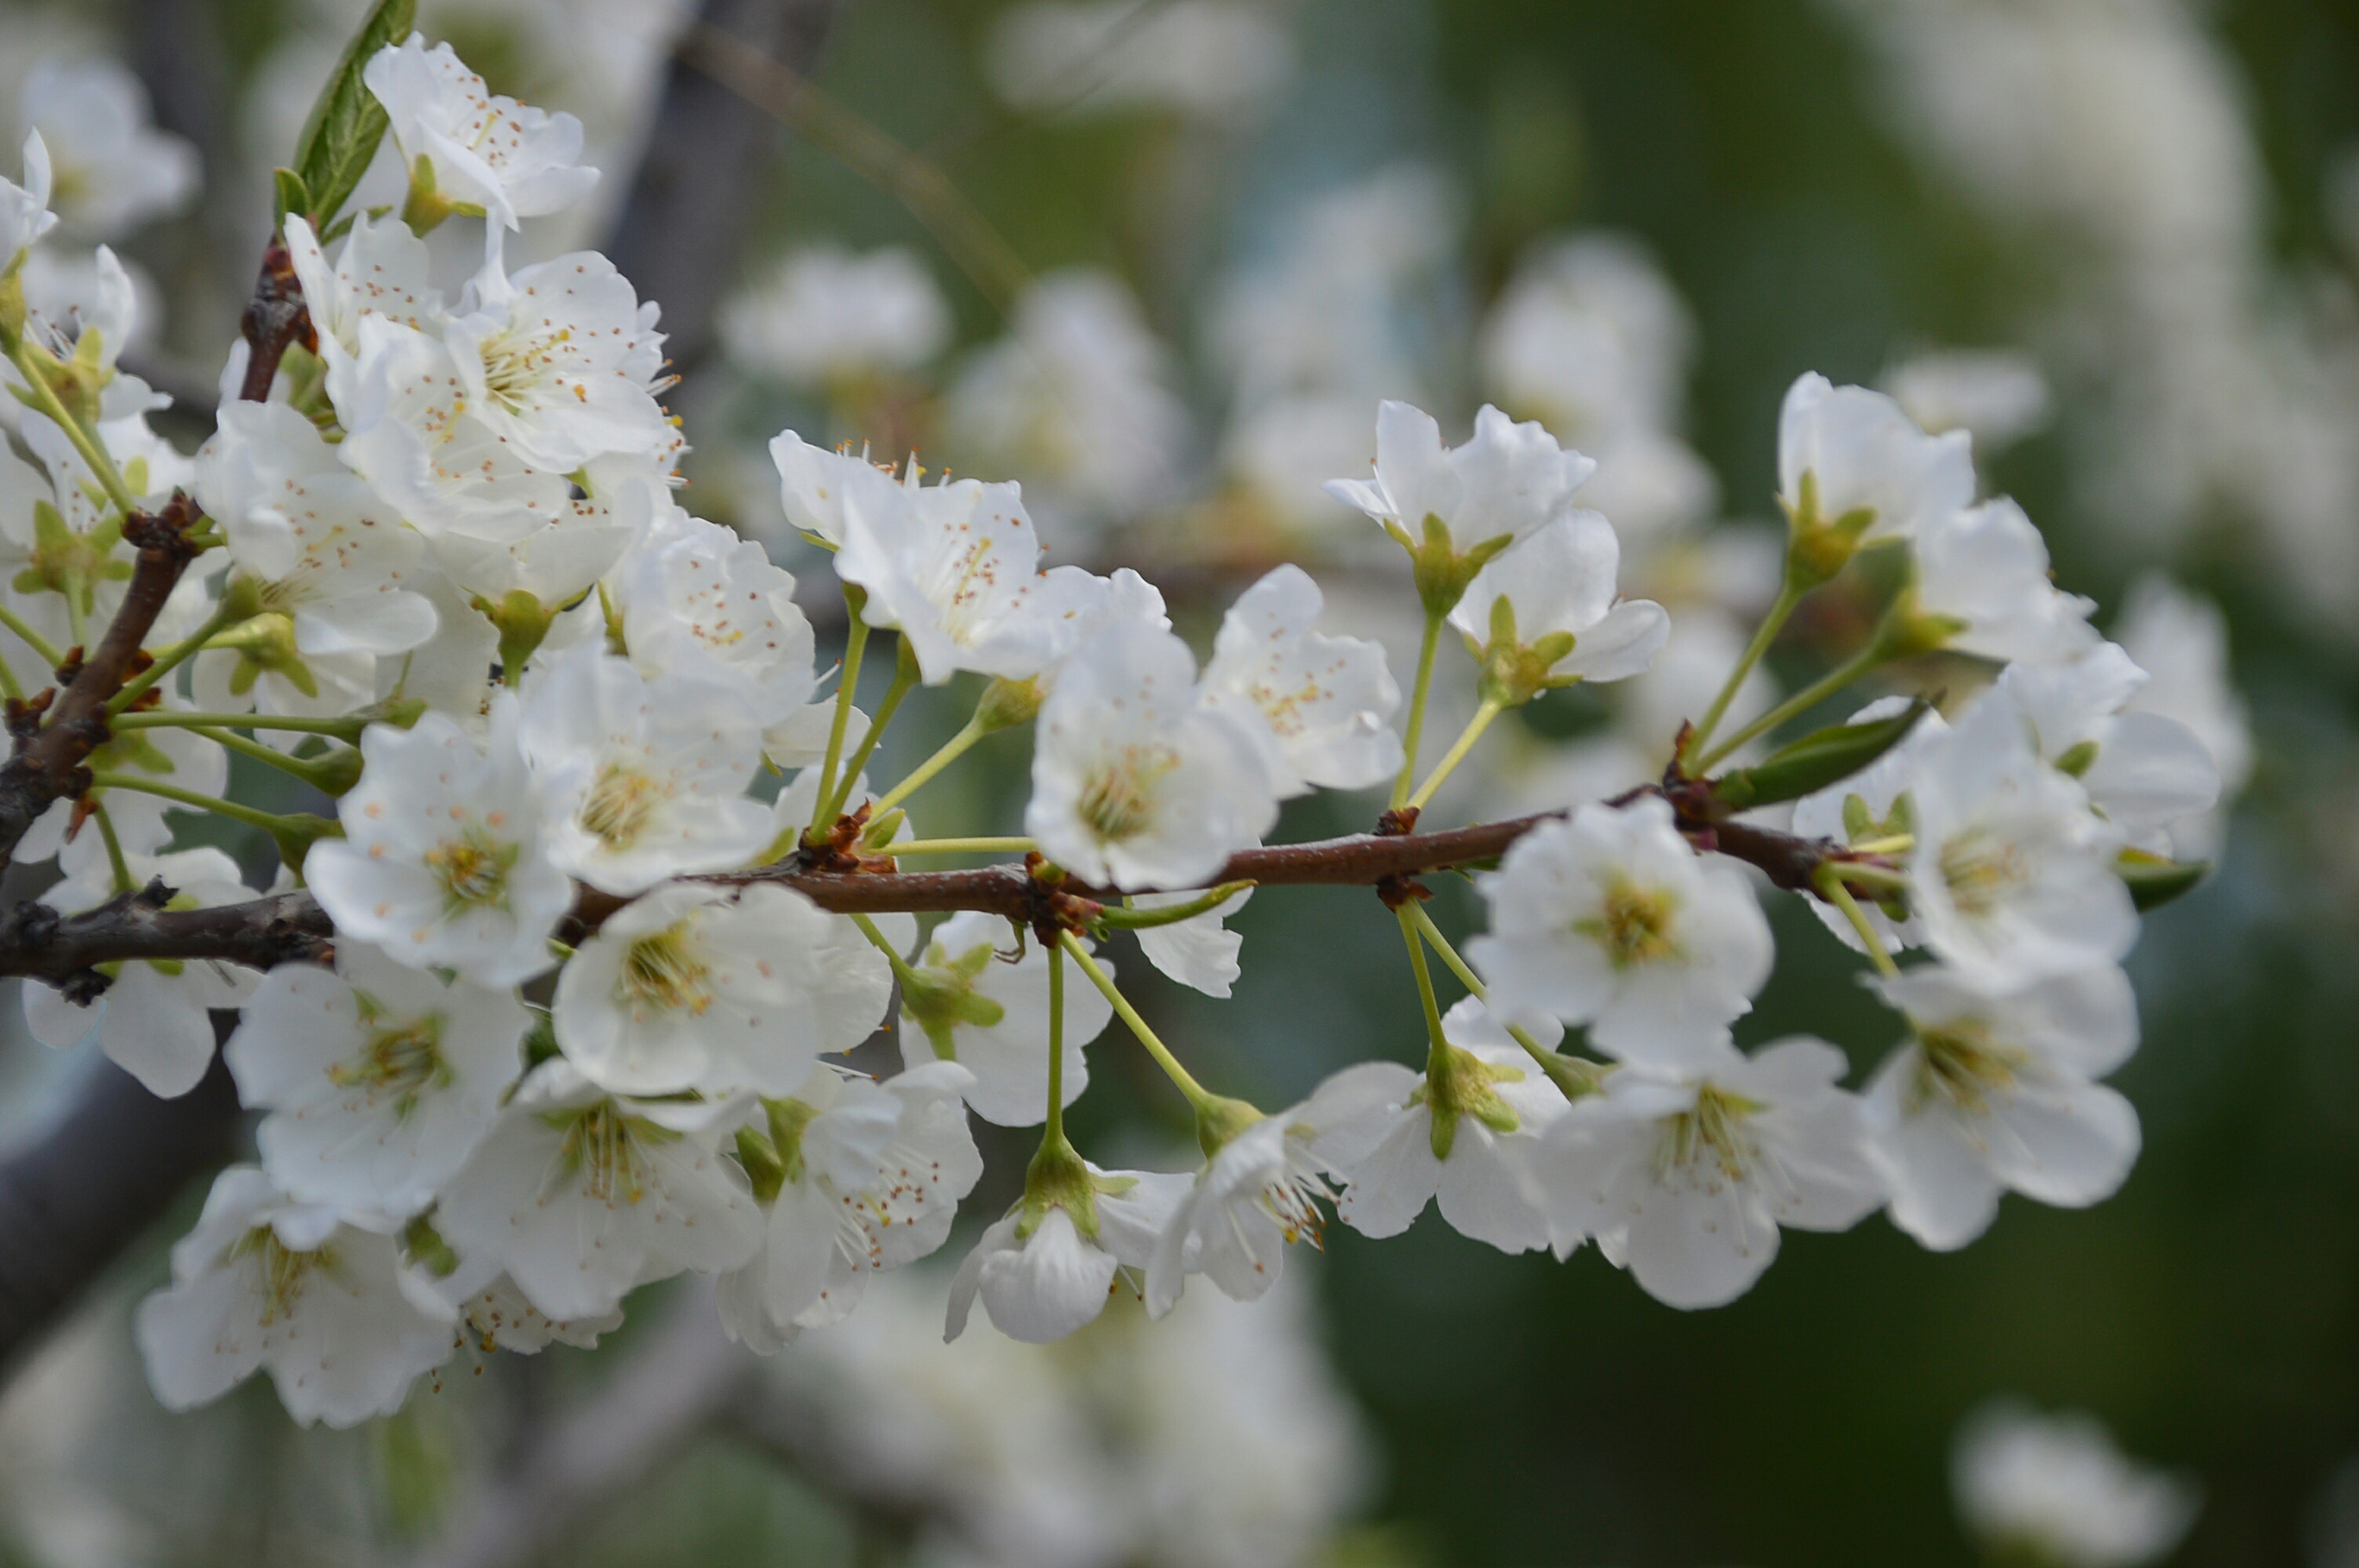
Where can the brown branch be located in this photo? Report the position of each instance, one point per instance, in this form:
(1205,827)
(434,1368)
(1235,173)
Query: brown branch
(275,320)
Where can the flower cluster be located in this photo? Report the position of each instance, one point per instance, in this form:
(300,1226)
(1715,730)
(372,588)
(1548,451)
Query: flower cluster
(594,973)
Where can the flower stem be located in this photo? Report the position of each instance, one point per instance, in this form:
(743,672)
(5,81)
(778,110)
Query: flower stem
(952,750)
(9,688)
(1802,701)
(901,969)
(1574,1077)
(293,767)
(960,846)
(1436,1059)
(106,836)
(905,676)
(1055,1129)
(1455,755)
(1198,1096)
(42,645)
(170,660)
(1415,729)
(1772,624)
(170,718)
(269,822)
(855,641)
(46,401)
(1829,881)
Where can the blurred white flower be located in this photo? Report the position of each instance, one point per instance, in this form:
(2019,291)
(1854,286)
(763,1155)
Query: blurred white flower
(2056,1489)
(1217,60)
(825,316)
(1590,337)
(2180,639)
(1996,395)
(112,169)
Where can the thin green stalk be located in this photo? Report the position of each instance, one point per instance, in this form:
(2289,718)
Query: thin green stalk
(905,677)
(294,767)
(1198,1096)
(42,645)
(1456,754)
(901,969)
(269,822)
(1830,883)
(172,718)
(1772,624)
(169,659)
(1436,1059)
(9,688)
(1055,1130)
(106,836)
(952,750)
(77,618)
(855,642)
(1562,1070)
(101,464)
(1848,872)
(1802,701)
(1898,844)
(959,847)
(1415,729)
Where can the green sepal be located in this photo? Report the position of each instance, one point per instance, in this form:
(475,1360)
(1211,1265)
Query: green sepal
(287,195)
(764,1169)
(341,138)
(423,1245)
(1822,758)
(2154,881)
(296,831)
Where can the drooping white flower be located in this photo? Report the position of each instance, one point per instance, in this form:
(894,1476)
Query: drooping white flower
(1261,1190)
(2143,771)
(1041,1277)
(443,862)
(2182,640)
(1556,590)
(485,150)
(1872,804)
(1328,702)
(955,567)
(641,780)
(25,214)
(1612,920)
(1465,1146)
(314,539)
(1507,482)
(991,1017)
(263,1283)
(1996,1092)
(562,360)
(2010,878)
(2054,1487)
(1685,1177)
(150,1020)
(1134,782)
(872,1176)
(695,987)
(379,1078)
(1982,574)
(825,317)
(1198,952)
(580,1196)
(113,170)
(1862,453)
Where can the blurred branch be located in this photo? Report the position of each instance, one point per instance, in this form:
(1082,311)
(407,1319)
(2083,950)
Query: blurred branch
(919,184)
(701,178)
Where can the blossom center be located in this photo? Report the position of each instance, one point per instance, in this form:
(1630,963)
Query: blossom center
(1119,801)
(662,970)
(1960,1063)
(402,1061)
(1710,1145)
(1635,924)
(517,365)
(472,870)
(282,1270)
(606,1150)
(620,804)
(1980,869)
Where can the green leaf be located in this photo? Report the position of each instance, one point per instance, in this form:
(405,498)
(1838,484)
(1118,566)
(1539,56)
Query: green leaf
(1819,759)
(2154,881)
(288,196)
(347,122)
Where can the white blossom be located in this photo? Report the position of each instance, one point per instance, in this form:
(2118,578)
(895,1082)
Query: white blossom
(25,214)
(381,270)
(2182,640)
(695,986)
(1997,396)
(969,1006)
(2056,1488)
(2143,771)
(1507,483)
(508,159)
(379,1080)
(1884,808)
(112,169)
(1041,1277)
(560,361)
(640,780)
(1559,583)
(1326,702)
(813,483)
(1465,1146)
(1862,453)
(1997,1091)
(1135,782)
(263,1283)
(580,1196)
(825,317)
(1982,574)
(443,861)
(1610,919)
(1685,1177)
(1199,952)
(873,1175)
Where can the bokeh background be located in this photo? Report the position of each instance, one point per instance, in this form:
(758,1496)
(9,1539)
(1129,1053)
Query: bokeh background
(1190,243)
